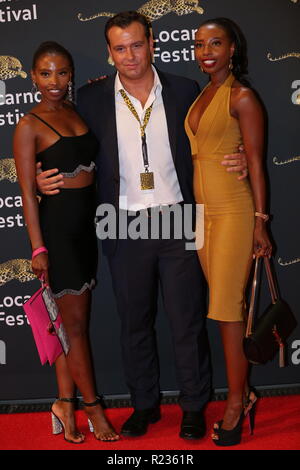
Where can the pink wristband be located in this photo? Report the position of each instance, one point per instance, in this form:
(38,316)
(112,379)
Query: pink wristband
(36,252)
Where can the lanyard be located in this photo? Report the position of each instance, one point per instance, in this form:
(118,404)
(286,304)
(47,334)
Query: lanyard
(143,126)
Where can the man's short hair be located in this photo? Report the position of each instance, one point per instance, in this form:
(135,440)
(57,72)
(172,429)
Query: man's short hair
(124,19)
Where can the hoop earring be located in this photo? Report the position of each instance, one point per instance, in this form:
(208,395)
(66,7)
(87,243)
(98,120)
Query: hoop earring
(70,91)
(110,61)
(230,64)
(34,88)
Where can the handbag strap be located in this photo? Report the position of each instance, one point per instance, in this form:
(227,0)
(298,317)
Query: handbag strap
(252,300)
(272,287)
(271,280)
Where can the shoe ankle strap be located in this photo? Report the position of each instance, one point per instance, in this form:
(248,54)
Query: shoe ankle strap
(94,403)
(68,400)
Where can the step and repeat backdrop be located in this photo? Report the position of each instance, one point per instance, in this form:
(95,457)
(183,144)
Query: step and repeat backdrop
(272,30)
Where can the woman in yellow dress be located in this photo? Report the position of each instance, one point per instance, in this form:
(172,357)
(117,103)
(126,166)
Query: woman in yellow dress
(226,114)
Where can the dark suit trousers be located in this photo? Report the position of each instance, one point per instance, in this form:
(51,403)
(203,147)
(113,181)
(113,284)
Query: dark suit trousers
(137,268)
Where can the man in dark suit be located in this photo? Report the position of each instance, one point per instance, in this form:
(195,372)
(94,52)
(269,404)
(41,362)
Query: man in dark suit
(152,172)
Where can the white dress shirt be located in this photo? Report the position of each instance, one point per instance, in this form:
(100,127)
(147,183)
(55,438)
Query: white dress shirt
(166,186)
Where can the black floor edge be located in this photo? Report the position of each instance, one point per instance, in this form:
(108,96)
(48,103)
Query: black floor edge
(123,401)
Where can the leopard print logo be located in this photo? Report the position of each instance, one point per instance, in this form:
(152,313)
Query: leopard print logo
(16,269)
(289,262)
(278,162)
(295,55)
(8,170)
(155,9)
(10,67)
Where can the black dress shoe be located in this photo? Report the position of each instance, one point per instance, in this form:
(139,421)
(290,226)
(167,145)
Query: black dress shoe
(137,423)
(192,425)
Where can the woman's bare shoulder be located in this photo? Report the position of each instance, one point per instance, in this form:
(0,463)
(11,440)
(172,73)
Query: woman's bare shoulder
(242,92)
(26,127)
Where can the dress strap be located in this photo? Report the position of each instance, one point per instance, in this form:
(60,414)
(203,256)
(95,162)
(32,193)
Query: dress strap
(229,80)
(46,123)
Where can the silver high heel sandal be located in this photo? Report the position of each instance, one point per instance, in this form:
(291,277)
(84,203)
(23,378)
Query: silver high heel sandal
(91,427)
(58,425)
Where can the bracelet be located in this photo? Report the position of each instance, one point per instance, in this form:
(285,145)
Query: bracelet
(36,252)
(262,216)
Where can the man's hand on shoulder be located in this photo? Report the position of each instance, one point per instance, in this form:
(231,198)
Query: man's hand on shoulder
(48,182)
(237,163)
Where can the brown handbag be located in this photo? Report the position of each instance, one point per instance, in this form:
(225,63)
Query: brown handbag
(272,328)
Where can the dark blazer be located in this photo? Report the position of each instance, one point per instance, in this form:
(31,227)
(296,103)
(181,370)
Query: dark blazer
(96,104)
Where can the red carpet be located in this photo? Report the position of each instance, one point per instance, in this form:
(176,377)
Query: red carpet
(277,428)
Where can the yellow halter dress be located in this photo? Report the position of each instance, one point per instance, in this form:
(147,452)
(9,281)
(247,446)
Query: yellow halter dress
(228,207)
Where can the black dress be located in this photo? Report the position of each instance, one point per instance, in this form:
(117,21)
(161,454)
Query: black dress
(67,218)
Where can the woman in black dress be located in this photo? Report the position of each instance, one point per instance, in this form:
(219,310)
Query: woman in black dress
(54,134)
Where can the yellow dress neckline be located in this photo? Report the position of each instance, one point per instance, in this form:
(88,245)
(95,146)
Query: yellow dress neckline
(227,82)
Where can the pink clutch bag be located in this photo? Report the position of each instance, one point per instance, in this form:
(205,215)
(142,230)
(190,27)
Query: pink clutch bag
(46,324)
